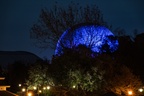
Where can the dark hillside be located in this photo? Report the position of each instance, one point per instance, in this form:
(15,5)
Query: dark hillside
(9,57)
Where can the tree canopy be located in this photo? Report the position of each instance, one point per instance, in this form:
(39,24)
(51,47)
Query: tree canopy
(75,72)
(53,22)
(76,68)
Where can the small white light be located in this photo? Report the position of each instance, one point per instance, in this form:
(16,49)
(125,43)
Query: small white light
(34,88)
(74,86)
(140,90)
(19,85)
(23,89)
(44,88)
(48,87)
(40,91)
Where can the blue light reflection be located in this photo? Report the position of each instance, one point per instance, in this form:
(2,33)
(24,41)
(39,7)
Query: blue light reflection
(93,36)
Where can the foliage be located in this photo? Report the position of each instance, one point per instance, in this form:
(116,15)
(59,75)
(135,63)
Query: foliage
(77,72)
(93,75)
(118,78)
(122,82)
(71,60)
(54,22)
(89,81)
(75,68)
(38,76)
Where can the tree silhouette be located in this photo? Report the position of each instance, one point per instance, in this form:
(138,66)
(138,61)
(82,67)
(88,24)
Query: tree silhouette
(17,73)
(38,75)
(54,22)
(118,77)
(76,68)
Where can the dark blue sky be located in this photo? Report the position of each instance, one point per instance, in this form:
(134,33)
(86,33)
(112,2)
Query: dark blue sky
(18,16)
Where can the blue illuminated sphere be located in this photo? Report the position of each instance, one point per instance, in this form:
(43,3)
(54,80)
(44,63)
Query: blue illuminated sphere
(92,36)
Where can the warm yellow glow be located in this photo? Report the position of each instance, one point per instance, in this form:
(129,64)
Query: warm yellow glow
(34,88)
(74,86)
(44,88)
(130,92)
(23,89)
(19,85)
(40,91)
(29,94)
(140,90)
(48,87)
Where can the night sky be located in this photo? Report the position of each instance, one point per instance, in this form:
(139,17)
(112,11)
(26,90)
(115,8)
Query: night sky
(18,16)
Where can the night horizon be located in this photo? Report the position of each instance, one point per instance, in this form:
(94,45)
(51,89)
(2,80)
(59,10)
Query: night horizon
(72,48)
(18,18)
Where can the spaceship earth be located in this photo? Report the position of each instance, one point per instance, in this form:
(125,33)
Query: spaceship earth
(90,35)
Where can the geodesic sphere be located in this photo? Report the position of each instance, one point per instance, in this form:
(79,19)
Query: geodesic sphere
(92,36)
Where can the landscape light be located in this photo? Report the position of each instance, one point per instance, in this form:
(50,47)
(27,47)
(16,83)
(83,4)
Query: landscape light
(40,91)
(48,87)
(74,86)
(130,92)
(34,88)
(19,85)
(29,94)
(23,89)
(44,88)
(140,90)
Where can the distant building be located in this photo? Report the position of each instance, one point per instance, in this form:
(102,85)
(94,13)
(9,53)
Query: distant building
(3,90)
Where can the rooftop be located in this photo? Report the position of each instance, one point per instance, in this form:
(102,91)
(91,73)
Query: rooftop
(7,93)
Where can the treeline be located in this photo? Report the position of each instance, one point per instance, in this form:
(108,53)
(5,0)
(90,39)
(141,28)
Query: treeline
(75,73)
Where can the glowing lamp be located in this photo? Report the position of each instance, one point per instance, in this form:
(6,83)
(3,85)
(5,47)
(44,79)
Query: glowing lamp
(130,92)
(140,90)
(20,85)
(34,88)
(48,87)
(39,91)
(74,86)
(29,94)
(23,89)
(44,88)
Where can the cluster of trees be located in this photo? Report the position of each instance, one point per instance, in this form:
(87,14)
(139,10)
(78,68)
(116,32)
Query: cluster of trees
(53,22)
(76,73)
(107,72)
(89,76)
(117,72)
